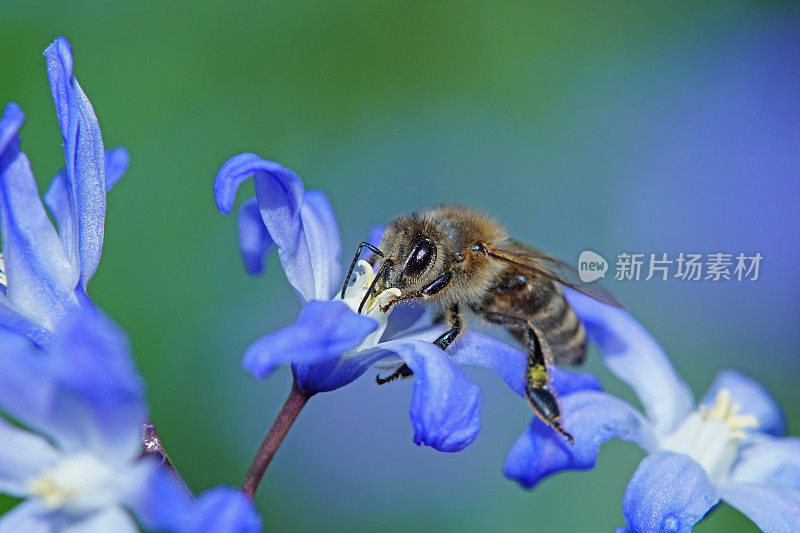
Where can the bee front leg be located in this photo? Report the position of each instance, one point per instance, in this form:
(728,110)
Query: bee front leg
(444,340)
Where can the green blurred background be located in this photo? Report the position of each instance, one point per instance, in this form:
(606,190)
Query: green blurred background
(644,127)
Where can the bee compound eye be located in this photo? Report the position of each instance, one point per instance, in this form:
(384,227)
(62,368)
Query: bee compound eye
(420,258)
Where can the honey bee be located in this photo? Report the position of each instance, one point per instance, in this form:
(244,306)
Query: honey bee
(457,257)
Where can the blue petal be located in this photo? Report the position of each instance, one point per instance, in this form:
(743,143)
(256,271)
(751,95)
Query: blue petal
(161,503)
(109,519)
(752,398)
(10,123)
(445,405)
(28,516)
(117,161)
(39,275)
(331,374)
(592,418)
(669,492)
(223,510)
(323,331)
(84,155)
(478,349)
(635,357)
(324,243)
(773,509)
(768,460)
(82,392)
(23,455)
(298,223)
(15,322)
(58,199)
(254,241)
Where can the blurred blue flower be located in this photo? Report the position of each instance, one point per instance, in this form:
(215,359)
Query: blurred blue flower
(218,510)
(330,345)
(44,272)
(79,464)
(729,447)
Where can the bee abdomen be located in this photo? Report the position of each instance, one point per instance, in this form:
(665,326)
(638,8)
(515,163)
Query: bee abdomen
(559,324)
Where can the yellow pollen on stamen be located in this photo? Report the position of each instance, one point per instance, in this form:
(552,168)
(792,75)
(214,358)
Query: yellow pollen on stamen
(725,410)
(53,495)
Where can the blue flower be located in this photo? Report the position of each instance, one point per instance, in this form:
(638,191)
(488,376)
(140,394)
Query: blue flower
(330,345)
(80,462)
(80,465)
(44,272)
(729,447)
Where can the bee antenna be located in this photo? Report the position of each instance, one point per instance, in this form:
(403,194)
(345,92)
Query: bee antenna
(355,261)
(386,264)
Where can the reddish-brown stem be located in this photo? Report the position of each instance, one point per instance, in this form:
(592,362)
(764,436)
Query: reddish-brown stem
(283,422)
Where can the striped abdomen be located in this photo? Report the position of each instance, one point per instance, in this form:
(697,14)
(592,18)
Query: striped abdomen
(541,302)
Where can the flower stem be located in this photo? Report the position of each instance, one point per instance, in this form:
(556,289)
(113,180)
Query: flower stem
(283,422)
(153,447)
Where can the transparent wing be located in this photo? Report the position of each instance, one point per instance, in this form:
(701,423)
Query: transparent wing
(528,258)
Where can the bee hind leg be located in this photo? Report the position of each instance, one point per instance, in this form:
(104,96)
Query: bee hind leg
(538,390)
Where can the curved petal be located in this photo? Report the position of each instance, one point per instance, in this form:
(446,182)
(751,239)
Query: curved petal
(635,357)
(509,363)
(59,200)
(753,399)
(83,392)
(769,460)
(13,321)
(117,161)
(445,404)
(298,229)
(773,509)
(254,241)
(323,331)
(10,123)
(84,155)
(38,273)
(223,510)
(324,243)
(592,418)
(28,516)
(331,374)
(23,455)
(669,492)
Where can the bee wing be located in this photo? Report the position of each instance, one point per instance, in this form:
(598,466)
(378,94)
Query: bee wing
(540,263)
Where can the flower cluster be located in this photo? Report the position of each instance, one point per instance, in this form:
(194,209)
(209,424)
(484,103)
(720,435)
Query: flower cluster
(66,373)
(728,447)
(73,408)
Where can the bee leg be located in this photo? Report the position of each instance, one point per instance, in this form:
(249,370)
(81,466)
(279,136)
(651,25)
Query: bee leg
(537,383)
(402,372)
(444,340)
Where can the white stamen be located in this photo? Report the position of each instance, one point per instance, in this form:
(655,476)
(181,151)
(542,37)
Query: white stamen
(3,279)
(712,436)
(78,483)
(372,308)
